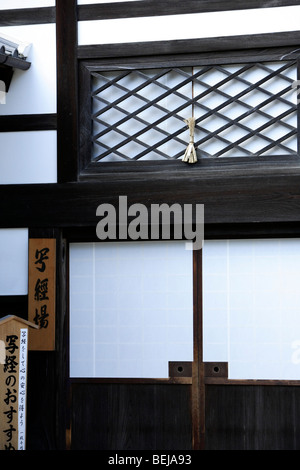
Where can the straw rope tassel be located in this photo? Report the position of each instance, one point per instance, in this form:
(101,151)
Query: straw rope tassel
(190,153)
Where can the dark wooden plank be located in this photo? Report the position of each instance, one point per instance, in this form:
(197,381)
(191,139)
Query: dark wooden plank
(265,382)
(131,417)
(227,56)
(270,164)
(171,7)
(67,101)
(133,380)
(238,196)
(26,16)
(61,390)
(28,122)
(85,121)
(252,418)
(180,369)
(190,46)
(14,305)
(41,402)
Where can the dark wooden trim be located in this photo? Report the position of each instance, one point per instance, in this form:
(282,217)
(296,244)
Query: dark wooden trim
(180,369)
(236,197)
(251,230)
(271,382)
(28,122)
(211,232)
(43,15)
(85,122)
(89,169)
(62,341)
(170,7)
(216,370)
(136,381)
(26,16)
(14,305)
(226,56)
(67,97)
(136,170)
(190,46)
(198,387)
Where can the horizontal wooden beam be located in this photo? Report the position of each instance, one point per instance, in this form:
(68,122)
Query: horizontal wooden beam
(133,380)
(26,16)
(23,16)
(264,382)
(236,198)
(171,7)
(28,122)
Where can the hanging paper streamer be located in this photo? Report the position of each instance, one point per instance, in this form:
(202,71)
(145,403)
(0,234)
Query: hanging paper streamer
(190,153)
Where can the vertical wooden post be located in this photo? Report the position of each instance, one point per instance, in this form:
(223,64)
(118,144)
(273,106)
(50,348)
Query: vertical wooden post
(198,386)
(67,99)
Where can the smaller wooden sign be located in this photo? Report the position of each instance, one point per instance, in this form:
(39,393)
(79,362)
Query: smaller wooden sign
(41,292)
(13,382)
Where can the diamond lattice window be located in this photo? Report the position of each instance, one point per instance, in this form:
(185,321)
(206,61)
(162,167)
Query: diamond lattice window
(241,110)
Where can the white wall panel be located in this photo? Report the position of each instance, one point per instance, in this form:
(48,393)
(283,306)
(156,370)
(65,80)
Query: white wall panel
(13,261)
(28,157)
(15,4)
(33,91)
(131,308)
(189,26)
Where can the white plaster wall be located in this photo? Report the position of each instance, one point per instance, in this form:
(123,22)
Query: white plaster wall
(189,26)
(33,91)
(31,157)
(15,4)
(28,157)
(14,261)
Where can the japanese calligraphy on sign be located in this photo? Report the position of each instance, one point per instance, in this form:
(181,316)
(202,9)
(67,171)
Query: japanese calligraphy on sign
(41,293)
(13,382)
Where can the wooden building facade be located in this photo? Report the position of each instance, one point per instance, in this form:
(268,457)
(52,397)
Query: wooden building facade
(53,187)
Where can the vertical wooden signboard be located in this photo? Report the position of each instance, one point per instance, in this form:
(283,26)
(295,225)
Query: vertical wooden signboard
(13,382)
(41,292)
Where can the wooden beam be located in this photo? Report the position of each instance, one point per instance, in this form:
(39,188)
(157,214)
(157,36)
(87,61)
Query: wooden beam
(26,16)
(170,7)
(240,197)
(28,122)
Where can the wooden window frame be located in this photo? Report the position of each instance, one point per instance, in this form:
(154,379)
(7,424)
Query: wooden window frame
(87,168)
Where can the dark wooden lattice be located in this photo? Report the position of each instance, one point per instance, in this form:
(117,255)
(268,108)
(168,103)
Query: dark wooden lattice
(240,110)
